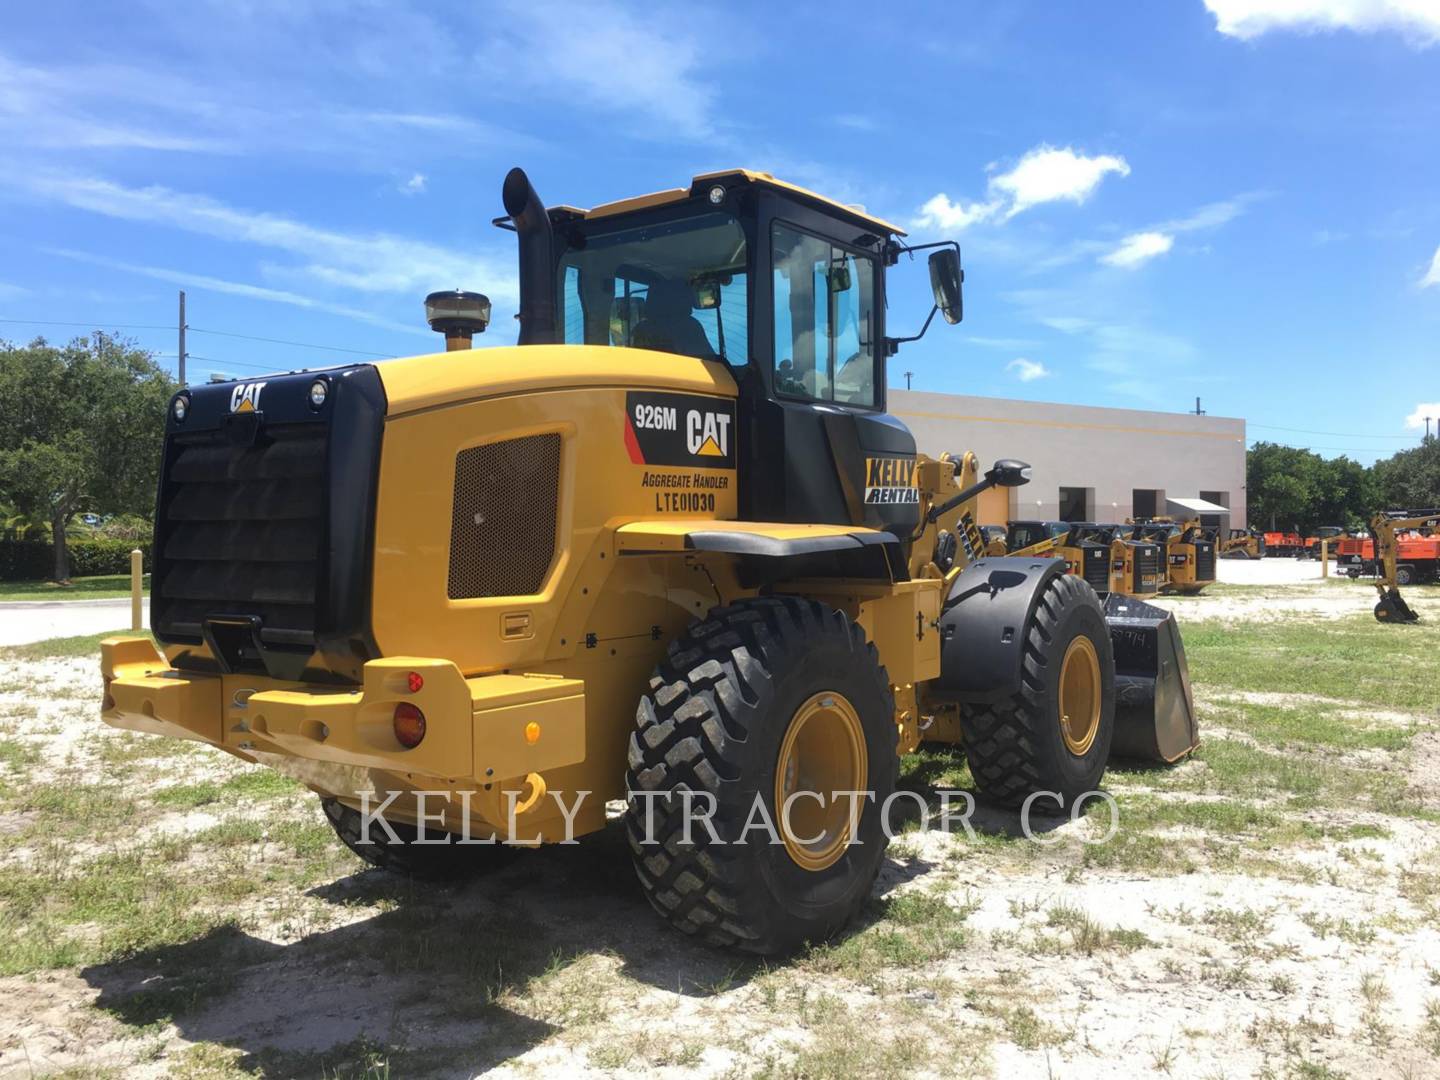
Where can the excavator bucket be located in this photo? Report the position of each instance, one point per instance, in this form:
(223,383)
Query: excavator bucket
(1392,608)
(1154,709)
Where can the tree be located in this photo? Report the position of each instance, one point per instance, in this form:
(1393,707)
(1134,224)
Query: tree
(81,428)
(1282,485)
(1411,478)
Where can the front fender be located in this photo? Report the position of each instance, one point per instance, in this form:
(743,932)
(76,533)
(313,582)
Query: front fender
(982,626)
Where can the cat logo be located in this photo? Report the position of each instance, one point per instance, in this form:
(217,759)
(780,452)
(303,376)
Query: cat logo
(707,434)
(246,397)
(890,481)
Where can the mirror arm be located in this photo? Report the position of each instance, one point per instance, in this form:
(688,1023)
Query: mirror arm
(892,344)
(894,249)
(936,512)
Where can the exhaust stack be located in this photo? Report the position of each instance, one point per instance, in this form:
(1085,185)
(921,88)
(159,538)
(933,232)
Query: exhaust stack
(537,259)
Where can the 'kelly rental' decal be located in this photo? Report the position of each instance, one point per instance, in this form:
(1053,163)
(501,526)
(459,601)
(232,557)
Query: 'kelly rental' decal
(890,481)
(680,429)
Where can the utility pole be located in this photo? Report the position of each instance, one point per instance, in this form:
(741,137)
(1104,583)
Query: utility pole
(909,373)
(1427,428)
(181,353)
(1198,411)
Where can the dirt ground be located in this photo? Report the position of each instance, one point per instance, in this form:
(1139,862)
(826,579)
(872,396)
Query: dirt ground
(1270,907)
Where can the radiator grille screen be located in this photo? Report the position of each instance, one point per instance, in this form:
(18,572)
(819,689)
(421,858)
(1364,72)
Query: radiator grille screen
(1205,561)
(1147,564)
(502,533)
(241,530)
(1097,568)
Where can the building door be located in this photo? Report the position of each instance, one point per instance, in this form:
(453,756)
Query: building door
(1074,504)
(1219,498)
(1145,502)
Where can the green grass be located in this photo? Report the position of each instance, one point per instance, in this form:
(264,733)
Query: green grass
(1356,660)
(53,648)
(100,587)
(260,783)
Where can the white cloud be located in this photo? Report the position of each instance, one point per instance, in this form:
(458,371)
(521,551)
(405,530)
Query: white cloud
(1418,20)
(1432,276)
(1046,174)
(1138,248)
(941,213)
(1027,370)
(12,292)
(644,66)
(1416,420)
(414,186)
(238,288)
(366,262)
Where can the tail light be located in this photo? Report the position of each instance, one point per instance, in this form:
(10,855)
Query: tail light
(409,725)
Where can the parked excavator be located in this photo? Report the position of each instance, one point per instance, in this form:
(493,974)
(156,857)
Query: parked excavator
(1385,529)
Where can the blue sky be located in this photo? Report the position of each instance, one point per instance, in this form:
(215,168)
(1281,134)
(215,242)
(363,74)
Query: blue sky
(1235,199)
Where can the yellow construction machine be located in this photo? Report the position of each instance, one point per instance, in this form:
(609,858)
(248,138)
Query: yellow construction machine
(1189,551)
(670,548)
(1240,544)
(1110,561)
(1422,558)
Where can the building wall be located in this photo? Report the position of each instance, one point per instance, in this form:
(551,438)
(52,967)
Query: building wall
(1111,452)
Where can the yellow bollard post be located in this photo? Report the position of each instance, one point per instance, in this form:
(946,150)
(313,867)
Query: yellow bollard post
(137,557)
(1324,558)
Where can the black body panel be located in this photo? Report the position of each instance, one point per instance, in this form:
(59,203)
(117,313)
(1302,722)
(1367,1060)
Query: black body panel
(264,526)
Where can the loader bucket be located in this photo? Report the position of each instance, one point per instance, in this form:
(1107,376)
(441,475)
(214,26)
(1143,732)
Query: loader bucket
(1392,608)
(1154,710)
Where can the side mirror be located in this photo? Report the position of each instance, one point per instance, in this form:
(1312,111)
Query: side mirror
(945,279)
(1006,472)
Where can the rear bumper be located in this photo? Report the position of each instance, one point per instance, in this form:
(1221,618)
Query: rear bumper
(478,731)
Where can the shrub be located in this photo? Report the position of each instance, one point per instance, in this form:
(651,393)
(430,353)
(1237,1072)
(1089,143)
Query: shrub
(33,560)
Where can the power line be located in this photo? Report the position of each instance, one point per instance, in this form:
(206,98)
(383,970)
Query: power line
(281,341)
(1333,434)
(92,325)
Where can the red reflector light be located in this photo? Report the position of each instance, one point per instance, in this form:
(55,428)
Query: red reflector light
(409,725)
(415,681)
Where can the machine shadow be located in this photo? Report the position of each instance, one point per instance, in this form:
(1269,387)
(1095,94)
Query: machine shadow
(438,966)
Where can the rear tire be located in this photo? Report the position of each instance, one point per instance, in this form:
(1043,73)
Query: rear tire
(1024,744)
(733,700)
(424,862)
(1404,575)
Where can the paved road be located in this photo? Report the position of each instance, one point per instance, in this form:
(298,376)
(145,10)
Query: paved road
(23,621)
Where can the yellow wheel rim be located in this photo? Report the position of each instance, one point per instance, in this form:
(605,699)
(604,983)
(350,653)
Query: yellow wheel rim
(1079,695)
(823,752)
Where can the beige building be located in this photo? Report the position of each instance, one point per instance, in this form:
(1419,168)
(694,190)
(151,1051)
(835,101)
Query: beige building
(1088,463)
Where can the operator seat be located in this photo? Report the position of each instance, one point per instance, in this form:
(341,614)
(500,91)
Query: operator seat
(668,326)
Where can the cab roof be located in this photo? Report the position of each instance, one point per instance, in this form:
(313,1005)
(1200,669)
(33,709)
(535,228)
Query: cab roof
(732,177)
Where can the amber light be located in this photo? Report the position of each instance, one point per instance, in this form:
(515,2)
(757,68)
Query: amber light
(415,681)
(409,725)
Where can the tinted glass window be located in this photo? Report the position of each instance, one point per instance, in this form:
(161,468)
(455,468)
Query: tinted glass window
(677,286)
(824,339)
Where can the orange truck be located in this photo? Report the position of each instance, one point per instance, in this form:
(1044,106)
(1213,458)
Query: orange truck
(1284,543)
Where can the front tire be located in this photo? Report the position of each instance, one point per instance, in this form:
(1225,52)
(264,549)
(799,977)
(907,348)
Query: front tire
(1053,734)
(758,703)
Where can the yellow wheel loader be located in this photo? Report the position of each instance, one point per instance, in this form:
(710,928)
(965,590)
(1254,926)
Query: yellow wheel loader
(670,549)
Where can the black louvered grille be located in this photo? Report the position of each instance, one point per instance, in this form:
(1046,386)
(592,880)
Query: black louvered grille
(1097,568)
(1205,561)
(242,529)
(1147,564)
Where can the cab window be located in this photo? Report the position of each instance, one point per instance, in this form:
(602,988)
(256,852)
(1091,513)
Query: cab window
(824,326)
(677,286)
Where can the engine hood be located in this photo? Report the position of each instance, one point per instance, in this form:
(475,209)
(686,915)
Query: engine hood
(415,383)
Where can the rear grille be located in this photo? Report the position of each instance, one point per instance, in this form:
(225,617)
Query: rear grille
(502,532)
(241,529)
(1097,568)
(1205,561)
(1147,564)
